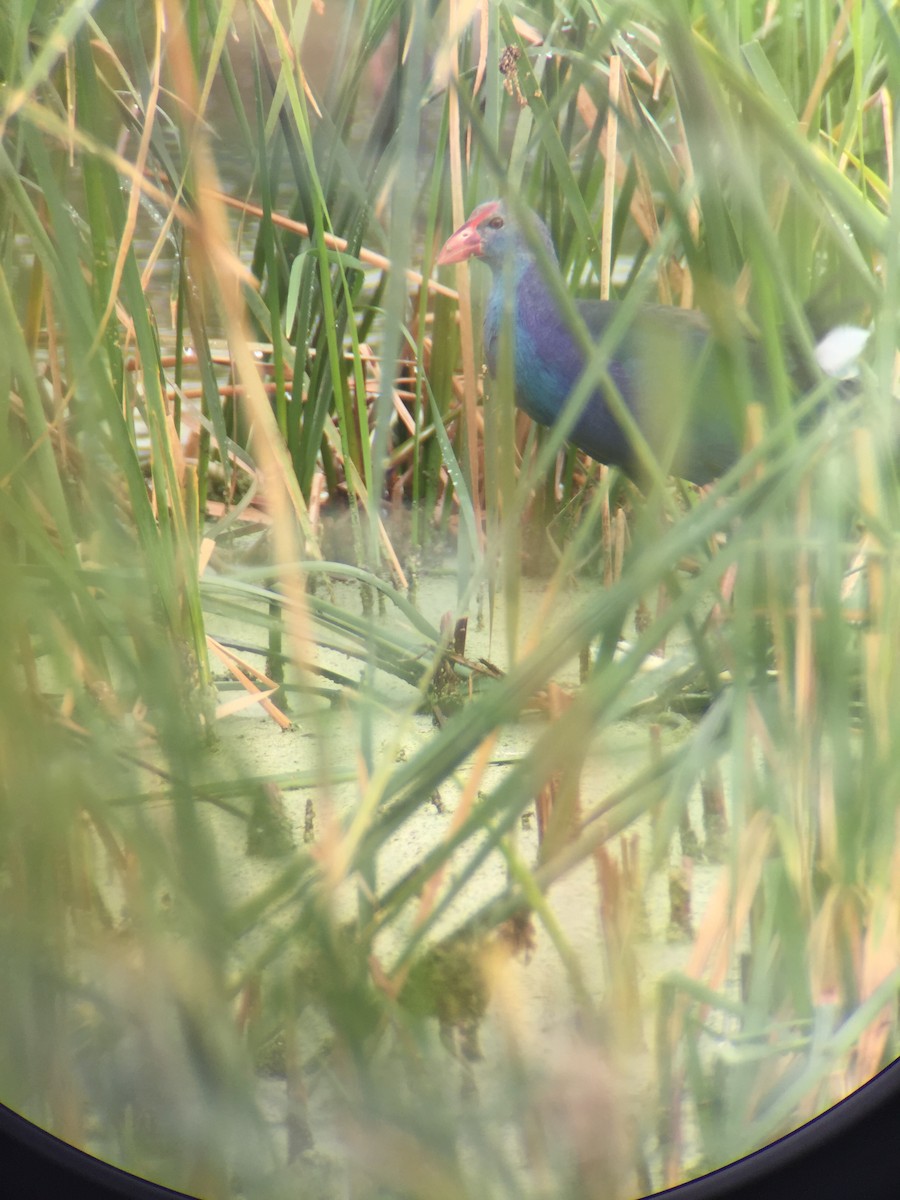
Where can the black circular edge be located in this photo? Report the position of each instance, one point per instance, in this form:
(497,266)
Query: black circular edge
(852,1149)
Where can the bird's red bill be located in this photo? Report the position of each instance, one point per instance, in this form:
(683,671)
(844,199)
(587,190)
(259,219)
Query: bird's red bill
(460,245)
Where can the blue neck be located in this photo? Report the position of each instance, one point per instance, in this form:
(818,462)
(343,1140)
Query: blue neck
(547,359)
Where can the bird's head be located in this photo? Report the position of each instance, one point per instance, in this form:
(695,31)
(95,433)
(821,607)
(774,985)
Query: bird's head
(492,235)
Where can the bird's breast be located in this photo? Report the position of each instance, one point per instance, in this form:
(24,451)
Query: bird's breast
(545,358)
(548,360)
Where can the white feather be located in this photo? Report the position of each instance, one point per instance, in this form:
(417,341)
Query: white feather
(838,351)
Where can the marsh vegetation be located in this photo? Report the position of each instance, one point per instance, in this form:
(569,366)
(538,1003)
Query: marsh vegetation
(392,800)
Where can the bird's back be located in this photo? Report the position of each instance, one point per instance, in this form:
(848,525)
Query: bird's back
(675,379)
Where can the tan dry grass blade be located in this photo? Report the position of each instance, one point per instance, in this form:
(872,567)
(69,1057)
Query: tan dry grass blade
(880,959)
(216,261)
(836,927)
(242,670)
(134,198)
(618,886)
(285,48)
(241,703)
(726,916)
(609,179)
(643,211)
(466,325)
(481,68)
(729,906)
(461,813)
(782,194)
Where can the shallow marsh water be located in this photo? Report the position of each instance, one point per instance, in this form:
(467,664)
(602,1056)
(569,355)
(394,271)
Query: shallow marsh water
(534,1020)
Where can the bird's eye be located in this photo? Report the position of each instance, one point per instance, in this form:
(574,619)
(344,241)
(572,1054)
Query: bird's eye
(495,223)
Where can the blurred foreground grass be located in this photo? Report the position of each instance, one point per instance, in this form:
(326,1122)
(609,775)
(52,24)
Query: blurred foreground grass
(185,393)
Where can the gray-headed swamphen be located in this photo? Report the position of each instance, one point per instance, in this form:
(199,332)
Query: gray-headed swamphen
(676,378)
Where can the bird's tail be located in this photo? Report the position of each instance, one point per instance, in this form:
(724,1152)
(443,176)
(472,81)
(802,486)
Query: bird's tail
(839,351)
